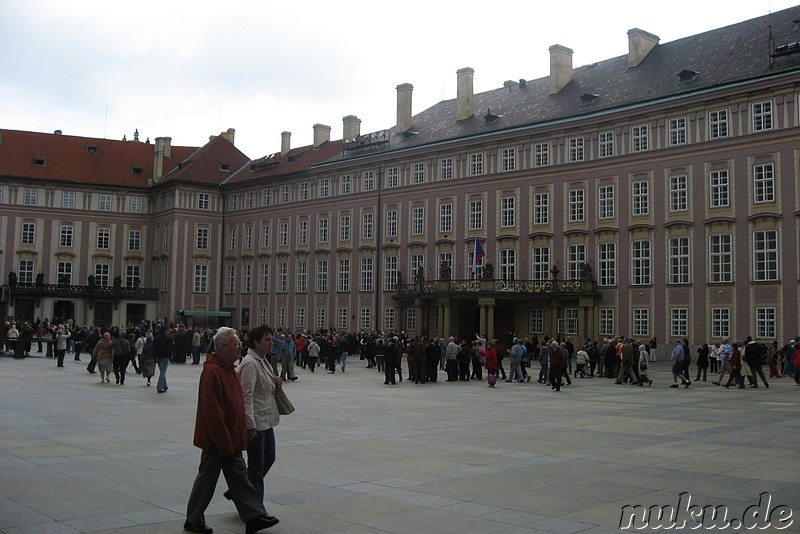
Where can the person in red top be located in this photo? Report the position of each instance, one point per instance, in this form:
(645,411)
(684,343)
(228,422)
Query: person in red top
(557,361)
(736,367)
(221,432)
(490,356)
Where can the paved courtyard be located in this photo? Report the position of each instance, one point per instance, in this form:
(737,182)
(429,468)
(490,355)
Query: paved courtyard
(360,457)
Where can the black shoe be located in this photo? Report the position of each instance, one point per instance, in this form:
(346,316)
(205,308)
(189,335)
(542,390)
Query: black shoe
(260,523)
(205,529)
(227,495)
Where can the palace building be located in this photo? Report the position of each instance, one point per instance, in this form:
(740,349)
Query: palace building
(650,194)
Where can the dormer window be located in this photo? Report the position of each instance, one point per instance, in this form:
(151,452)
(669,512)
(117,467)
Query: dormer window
(137,170)
(39,161)
(688,75)
(589,98)
(92,149)
(224,167)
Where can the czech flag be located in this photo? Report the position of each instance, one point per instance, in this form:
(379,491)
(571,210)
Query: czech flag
(477,256)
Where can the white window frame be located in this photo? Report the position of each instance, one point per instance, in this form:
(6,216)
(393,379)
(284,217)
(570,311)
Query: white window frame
(577,206)
(607,322)
(343,275)
(418,173)
(678,131)
(605,201)
(762,114)
(641,262)
(368,180)
(541,208)
(417,220)
(321,276)
(717,124)
(536,320)
(679,260)
(607,264)
(103,238)
(720,258)
(28,233)
(301,276)
(640,197)
(720,323)
(766,322)
(679,322)
(392,223)
(344,228)
(476,164)
(476,214)
(68,199)
(393,177)
(576,258)
(605,144)
(540,263)
(641,322)
(575,149)
(66,234)
(368,225)
(322,230)
(390,266)
(763,183)
(541,154)
(508,159)
(507,263)
(678,193)
(366,281)
(446,169)
(508,212)
(135,240)
(640,138)
(719,188)
(446,218)
(766,251)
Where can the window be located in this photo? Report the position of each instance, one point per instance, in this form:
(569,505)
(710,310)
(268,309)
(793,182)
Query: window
(302,232)
(575,148)
(606,144)
(322,276)
(367,226)
(303,191)
(248,237)
(640,262)
(540,263)
(266,197)
(720,322)
(679,323)
(416,263)
(607,327)
(541,208)
(343,276)
(66,235)
(365,319)
(640,138)
(576,258)
(365,282)
(282,277)
(301,276)
(68,199)
(203,201)
(280,317)
(508,263)
(345,184)
(247,278)
(763,183)
(165,238)
(536,320)
(25,271)
(720,258)
(476,164)
(605,199)
(156,239)
(576,207)
(322,230)
(263,278)
(718,124)
(541,154)
(102,274)
(677,131)
(391,223)
(392,177)
(641,322)
(344,228)
(762,116)
(321,318)
(299,318)
(445,218)
(231,238)
(765,255)
(570,324)
(105,203)
(389,315)
(446,169)
(285,194)
(134,240)
(678,193)
(164,278)
(230,278)
(31,197)
(508,213)
(249,200)
(28,233)
(418,173)
(445,262)
(136,204)
(103,238)
(65,272)
(766,323)
(607,264)
(719,194)
(679,260)
(411,319)
(389,273)
(641,198)
(476,214)
(283,234)
(368,181)
(262,315)
(508,159)
(417,221)
(324,187)
(341,318)
(265,236)
(477,273)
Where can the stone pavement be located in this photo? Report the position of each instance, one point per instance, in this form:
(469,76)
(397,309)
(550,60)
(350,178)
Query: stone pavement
(360,457)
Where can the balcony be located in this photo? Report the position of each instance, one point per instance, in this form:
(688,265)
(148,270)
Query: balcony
(430,288)
(67,291)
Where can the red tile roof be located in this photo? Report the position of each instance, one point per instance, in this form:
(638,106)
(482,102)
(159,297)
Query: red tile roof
(295,161)
(81,160)
(208,163)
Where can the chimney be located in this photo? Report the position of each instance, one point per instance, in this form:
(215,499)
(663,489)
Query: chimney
(57,132)
(560,68)
(322,134)
(465,101)
(404,107)
(352,127)
(168,147)
(639,45)
(158,159)
(228,134)
(286,142)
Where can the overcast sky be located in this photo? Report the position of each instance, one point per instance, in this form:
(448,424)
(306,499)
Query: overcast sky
(191,69)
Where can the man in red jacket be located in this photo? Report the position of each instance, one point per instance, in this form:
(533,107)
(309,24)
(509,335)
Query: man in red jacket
(221,432)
